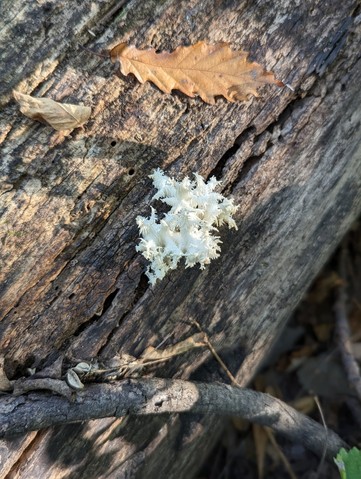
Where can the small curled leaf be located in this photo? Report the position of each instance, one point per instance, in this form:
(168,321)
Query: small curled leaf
(61,116)
(73,380)
(82,368)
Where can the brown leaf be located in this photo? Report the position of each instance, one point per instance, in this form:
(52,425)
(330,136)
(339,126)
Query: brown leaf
(202,69)
(61,116)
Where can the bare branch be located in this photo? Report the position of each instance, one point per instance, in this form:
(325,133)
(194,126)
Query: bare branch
(36,411)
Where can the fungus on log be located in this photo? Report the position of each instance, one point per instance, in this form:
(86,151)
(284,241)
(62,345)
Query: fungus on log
(71,281)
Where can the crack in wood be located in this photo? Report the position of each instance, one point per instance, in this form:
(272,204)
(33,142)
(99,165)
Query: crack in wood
(278,133)
(325,58)
(106,305)
(140,291)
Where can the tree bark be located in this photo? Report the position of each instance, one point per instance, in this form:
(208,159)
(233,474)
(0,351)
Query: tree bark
(71,282)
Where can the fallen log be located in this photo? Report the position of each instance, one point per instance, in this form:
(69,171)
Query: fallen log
(71,282)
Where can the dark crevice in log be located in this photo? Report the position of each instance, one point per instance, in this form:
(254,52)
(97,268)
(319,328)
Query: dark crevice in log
(16,370)
(218,169)
(249,134)
(357,10)
(143,286)
(248,165)
(111,14)
(325,58)
(107,304)
(294,113)
(109,300)
(245,135)
(112,333)
(286,113)
(141,289)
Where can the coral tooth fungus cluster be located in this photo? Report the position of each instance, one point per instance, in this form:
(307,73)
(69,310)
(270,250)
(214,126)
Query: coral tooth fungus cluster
(188,229)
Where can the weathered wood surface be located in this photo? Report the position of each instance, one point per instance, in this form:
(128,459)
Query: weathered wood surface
(70,279)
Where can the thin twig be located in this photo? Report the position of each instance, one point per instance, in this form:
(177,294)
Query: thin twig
(280,453)
(164,340)
(216,355)
(323,457)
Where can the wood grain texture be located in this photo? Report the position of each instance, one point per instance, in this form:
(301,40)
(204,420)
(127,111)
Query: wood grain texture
(70,279)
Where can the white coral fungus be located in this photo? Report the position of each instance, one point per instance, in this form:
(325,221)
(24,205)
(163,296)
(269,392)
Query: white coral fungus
(186,231)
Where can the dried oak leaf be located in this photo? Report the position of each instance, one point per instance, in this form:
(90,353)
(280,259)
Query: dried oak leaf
(61,116)
(202,69)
